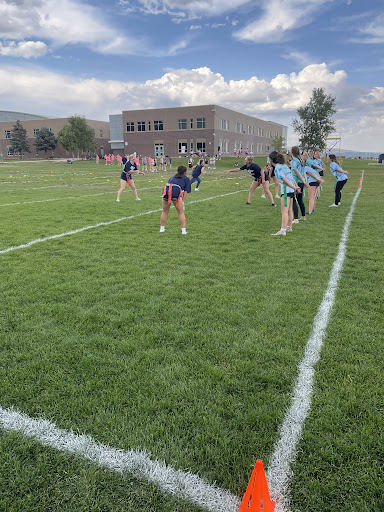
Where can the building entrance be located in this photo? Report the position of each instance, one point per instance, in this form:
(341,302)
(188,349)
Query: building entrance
(159,150)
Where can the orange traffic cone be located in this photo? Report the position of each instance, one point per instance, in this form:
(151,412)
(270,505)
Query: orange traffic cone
(256,497)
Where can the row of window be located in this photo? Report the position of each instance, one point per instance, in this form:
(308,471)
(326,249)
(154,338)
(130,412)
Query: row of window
(183,147)
(239,128)
(143,126)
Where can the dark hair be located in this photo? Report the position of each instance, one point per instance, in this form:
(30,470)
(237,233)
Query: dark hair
(181,170)
(295,151)
(280,158)
(333,158)
(201,161)
(273,156)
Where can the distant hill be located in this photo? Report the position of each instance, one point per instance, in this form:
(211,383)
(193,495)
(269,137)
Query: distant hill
(348,153)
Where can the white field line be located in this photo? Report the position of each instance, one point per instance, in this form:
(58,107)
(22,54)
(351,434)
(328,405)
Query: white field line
(73,197)
(279,471)
(74,232)
(183,484)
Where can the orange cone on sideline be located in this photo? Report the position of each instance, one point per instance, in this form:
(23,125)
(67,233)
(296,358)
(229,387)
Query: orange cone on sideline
(256,497)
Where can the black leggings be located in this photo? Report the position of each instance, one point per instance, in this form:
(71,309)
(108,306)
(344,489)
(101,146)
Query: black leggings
(339,186)
(298,200)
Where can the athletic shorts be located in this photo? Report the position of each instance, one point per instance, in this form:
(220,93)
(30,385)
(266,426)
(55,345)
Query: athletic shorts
(266,175)
(289,194)
(273,173)
(258,181)
(314,184)
(321,173)
(123,176)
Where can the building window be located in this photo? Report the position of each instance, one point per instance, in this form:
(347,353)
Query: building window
(200,122)
(191,146)
(9,151)
(200,146)
(101,133)
(182,146)
(241,127)
(182,124)
(227,125)
(158,125)
(191,124)
(35,132)
(149,126)
(130,126)
(236,127)
(7,134)
(141,126)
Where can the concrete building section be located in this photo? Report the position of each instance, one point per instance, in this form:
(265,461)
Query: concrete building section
(34,123)
(182,130)
(116,132)
(6,115)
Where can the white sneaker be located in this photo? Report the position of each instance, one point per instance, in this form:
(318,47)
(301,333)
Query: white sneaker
(138,199)
(196,189)
(184,232)
(281,232)
(162,229)
(117,200)
(336,205)
(289,228)
(278,197)
(296,221)
(262,196)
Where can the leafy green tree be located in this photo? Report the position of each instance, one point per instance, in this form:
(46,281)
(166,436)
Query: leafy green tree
(19,140)
(315,120)
(45,140)
(278,143)
(77,136)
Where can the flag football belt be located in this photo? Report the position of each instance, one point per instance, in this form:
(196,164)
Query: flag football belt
(127,175)
(169,192)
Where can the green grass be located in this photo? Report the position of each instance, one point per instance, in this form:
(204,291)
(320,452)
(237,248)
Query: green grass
(185,346)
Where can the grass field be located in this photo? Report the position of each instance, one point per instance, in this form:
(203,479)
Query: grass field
(185,346)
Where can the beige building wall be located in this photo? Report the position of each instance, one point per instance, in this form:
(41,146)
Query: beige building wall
(208,127)
(101,136)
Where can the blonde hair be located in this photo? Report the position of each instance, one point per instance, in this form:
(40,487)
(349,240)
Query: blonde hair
(132,157)
(249,159)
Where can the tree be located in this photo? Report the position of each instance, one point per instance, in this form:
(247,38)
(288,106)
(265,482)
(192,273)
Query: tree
(45,140)
(77,136)
(315,121)
(278,143)
(19,141)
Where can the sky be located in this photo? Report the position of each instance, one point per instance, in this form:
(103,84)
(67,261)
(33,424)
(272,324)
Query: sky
(259,57)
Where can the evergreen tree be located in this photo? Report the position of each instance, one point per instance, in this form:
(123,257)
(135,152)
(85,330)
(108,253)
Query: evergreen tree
(19,141)
(278,143)
(77,136)
(315,120)
(45,140)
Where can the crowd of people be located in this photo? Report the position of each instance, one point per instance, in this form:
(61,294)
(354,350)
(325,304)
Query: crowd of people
(293,173)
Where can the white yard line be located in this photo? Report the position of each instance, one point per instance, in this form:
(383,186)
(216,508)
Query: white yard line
(183,484)
(100,224)
(279,471)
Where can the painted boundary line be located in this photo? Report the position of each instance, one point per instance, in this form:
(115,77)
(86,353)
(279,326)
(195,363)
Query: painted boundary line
(279,471)
(183,484)
(74,232)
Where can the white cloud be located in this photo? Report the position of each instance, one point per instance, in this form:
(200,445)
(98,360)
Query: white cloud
(301,58)
(195,27)
(372,32)
(68,22)
(25,49)
(360,116)
(278,18)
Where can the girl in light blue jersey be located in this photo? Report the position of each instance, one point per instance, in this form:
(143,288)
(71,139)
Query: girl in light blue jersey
(314,179)
(341,178)
(318,160)
(297,168)
(288,187)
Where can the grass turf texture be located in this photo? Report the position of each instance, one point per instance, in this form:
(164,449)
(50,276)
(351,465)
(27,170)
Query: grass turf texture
(184,346)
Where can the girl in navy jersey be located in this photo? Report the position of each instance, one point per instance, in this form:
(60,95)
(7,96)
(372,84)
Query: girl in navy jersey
(126,177)
(175,192)
(197,170)
(341,178)
(259,177)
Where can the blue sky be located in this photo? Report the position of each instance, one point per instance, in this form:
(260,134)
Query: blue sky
(260,57)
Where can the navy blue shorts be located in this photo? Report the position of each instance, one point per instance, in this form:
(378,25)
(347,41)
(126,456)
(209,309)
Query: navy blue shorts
(314,184)
(289,194)
(123,176)
(273,173)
